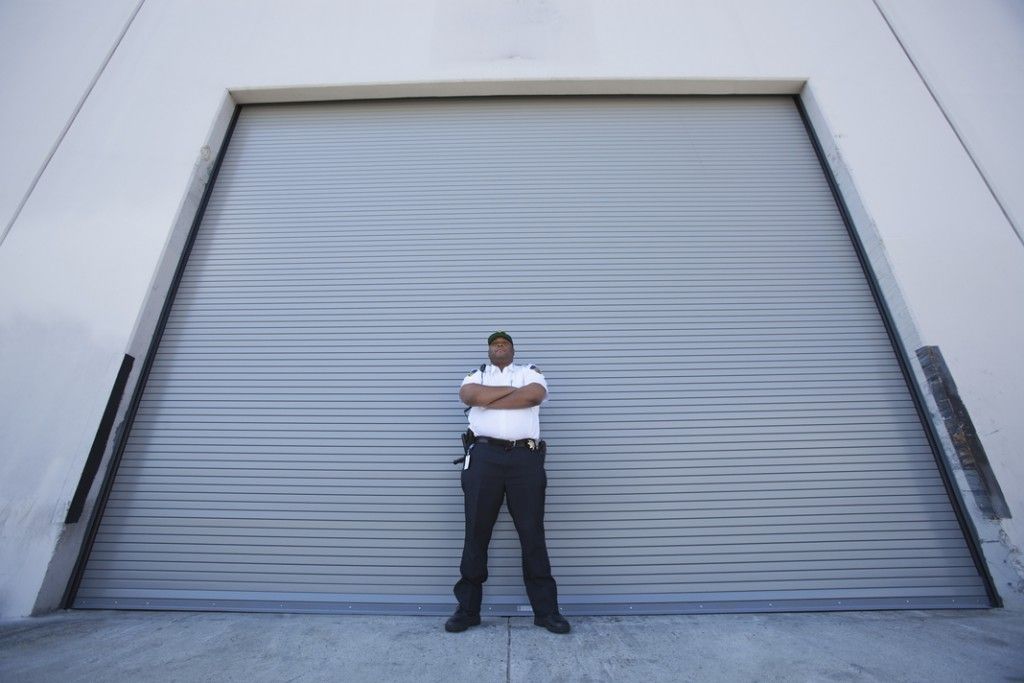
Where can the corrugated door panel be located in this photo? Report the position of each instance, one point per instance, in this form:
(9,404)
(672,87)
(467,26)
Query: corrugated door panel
(729,426)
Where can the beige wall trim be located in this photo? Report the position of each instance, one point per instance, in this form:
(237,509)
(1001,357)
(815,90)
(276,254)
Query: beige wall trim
(483,88)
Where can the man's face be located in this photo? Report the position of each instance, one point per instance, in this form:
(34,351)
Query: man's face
(500,352)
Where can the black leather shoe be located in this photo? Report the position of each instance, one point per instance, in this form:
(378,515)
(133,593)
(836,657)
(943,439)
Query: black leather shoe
(553,622)
(460,621)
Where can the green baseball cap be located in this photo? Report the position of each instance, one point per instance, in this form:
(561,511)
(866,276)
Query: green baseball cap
(500,334)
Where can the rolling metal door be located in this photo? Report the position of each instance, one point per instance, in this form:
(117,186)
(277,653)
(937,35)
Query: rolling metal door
(729,426)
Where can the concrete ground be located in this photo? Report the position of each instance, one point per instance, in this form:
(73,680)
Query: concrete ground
(961,645)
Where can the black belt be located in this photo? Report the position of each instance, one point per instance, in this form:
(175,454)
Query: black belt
(532,444)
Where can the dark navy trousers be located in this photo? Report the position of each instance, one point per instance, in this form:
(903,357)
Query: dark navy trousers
(516,476)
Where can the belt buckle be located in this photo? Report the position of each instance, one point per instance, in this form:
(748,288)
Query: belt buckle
(531,444)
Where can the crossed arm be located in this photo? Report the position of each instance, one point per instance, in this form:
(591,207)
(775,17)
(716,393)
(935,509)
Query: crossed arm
(502,397)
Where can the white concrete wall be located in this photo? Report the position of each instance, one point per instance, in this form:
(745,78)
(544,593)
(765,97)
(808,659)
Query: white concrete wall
(50,53)
(77,269)
(49,57)
(971,55)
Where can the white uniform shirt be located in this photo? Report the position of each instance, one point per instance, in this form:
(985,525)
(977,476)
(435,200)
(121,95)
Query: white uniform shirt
(510,424)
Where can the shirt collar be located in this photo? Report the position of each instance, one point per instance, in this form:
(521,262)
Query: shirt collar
(491,367)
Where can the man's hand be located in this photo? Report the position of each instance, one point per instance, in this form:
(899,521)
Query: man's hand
(503,397)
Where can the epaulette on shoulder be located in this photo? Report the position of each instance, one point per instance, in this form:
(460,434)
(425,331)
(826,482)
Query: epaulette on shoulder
(536,369)
(483,366)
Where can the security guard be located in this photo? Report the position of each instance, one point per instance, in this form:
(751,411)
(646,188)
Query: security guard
(505,460)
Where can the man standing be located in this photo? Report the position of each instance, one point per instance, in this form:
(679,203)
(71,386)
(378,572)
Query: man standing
(505,461)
